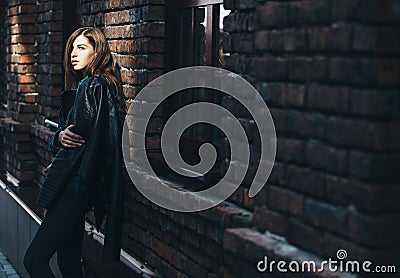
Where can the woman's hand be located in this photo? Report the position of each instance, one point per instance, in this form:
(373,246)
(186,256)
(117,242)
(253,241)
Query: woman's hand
(68,139)
(44,212)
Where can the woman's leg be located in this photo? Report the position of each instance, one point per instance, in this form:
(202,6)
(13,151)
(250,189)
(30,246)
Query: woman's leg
(69,254)
(56,228)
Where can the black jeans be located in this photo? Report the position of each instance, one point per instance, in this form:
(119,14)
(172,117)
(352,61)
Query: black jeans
(61,231)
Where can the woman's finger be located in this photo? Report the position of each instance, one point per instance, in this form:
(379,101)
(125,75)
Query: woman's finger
(70,143)
(74,135)
(73,139)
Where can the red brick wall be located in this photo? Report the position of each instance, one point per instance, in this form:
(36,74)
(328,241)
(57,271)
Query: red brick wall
(20,79)
(49,58)
(49,78)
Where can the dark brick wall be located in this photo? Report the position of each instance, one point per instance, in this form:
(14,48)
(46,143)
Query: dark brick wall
(20,90)
(3,76)
(49,58)
(3,41)
(328,71)
(49,78)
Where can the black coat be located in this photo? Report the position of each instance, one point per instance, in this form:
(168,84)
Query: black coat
(93,109)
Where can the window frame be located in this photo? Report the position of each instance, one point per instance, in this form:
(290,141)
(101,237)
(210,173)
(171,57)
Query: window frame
(172,59)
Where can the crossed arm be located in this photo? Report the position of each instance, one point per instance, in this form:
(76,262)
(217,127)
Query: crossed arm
(68,139)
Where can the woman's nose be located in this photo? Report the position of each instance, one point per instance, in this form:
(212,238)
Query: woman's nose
(73,53)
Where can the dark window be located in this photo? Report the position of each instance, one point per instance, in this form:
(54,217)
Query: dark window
(193,38)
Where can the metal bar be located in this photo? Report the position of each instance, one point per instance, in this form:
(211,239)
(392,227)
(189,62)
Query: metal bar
(125,258)
(197,3)
(20,202)
(51,123)
(209,36)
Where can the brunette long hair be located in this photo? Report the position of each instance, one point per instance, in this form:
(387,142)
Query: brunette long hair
(102,63)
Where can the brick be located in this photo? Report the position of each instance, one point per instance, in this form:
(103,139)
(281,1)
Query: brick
(247,243)
(273,93)
(276,177)
(307,68)
(115,18)
(335,38)
(236,63)
(384,256)
(304,236)
(362,134)
(374,103)
(321,214)
(298,123)
(200,257)
(134,77)
(365,197)
(245,4)
(123,46)
(239,22)
(23,69)
(374,166)
(287,40)
(155,61)
(279,117)
(272,14)
(317,127)
(96,6)
(323,157)
(23,9)
(387,71)
(23,29)
(261,40)
(328,98)
(269,68)
(152,46)
(306,180)
(112,4)
(382,40)
(153,13)
(266,219)
(27,88)
(23,176)
(343,10)
(291,150)
(385,11)
(309,12)
(120,32)
(21,19)
(285,200)
(373,230)
(23,49)
(26,108)
(242,42)
(341,70)
(155,29)
(25,39)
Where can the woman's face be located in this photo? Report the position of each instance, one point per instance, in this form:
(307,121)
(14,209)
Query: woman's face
(82,53)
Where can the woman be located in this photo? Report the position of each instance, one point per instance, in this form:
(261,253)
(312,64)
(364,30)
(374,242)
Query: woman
(86,169)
